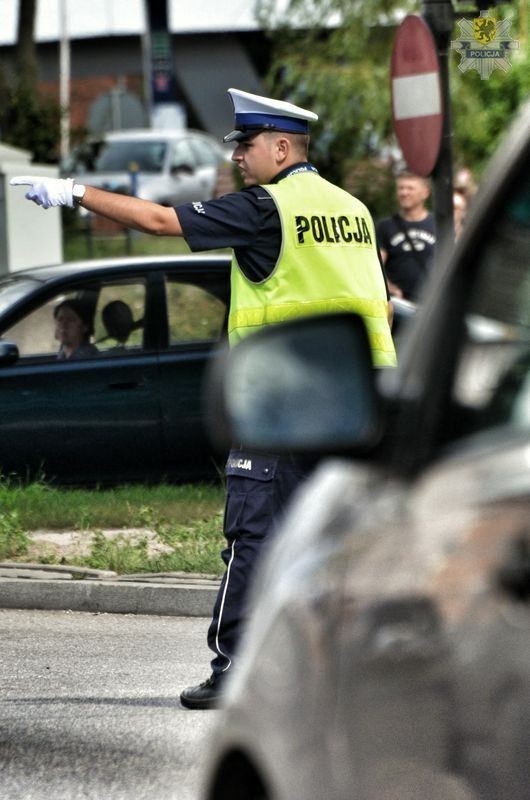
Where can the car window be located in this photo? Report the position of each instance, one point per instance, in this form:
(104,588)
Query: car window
(122,156)
(493,374)
(182,155)
(194,314)
(113,312)
(119,317)
(36,335)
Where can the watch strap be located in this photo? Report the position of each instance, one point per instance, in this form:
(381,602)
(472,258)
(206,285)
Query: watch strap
(78,192)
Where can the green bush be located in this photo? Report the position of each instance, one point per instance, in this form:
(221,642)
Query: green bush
(13,539)
(373,183)
(31,122)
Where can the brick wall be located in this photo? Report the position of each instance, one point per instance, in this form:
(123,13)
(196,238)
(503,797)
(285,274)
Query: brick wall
(83,92)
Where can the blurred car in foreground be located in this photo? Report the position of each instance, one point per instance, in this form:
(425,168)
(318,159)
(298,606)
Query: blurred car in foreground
(131,412)
(387,656)
(166,166)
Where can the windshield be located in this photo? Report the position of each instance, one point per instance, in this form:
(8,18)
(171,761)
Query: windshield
(13,290)
(144,156)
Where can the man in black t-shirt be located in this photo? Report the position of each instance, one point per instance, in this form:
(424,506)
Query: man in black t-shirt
(407,239)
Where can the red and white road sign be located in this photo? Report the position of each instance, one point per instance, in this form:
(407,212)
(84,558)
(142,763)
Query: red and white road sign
(416,95)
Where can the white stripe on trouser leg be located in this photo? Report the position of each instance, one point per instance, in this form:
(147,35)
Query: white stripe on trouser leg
(217,645)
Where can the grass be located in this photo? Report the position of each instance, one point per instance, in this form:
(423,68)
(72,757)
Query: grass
(77,246)
(186,520)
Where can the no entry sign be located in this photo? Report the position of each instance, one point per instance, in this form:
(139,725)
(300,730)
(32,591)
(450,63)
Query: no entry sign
(416,95)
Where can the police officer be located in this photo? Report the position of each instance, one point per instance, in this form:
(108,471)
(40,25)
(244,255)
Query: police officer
(301,246)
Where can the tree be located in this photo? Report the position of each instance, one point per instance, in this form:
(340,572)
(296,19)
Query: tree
(28,120)
(334,57)
(26,57)
(483,108)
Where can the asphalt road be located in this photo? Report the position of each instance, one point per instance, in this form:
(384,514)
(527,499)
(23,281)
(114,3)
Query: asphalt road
(89,706)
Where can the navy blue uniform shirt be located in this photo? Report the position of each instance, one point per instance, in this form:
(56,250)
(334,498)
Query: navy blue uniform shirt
(246,221)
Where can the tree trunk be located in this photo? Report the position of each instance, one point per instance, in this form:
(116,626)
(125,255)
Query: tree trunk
(26,56)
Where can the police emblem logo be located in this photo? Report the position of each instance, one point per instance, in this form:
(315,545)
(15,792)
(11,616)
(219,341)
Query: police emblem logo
(484,45)
(484,29)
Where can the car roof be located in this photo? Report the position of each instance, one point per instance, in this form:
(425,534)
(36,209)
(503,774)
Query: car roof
(135,263)
(143,134)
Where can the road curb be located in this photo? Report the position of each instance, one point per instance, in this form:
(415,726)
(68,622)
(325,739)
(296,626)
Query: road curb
(178,598)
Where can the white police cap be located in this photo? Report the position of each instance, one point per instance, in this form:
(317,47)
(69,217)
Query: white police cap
(254,113)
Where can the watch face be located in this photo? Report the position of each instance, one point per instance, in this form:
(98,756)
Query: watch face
(78,191)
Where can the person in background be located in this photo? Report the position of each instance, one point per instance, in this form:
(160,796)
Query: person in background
(301,246)
(464,183)
(407,239)
(459,211)
(73,329)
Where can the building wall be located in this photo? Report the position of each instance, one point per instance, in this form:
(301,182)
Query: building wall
(206,65)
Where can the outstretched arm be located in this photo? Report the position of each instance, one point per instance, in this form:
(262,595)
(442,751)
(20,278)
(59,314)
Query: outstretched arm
(131,212)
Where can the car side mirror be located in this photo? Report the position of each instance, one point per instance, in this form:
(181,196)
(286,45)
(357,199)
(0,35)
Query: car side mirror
(8,354)
(305,386)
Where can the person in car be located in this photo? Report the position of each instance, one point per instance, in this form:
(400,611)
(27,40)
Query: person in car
(119,322)
(73,329)
(301,246)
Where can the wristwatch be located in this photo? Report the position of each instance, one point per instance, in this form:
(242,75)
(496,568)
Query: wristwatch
(78,192)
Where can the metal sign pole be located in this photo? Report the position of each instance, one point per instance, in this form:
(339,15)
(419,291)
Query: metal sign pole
(439,16)
(64,79)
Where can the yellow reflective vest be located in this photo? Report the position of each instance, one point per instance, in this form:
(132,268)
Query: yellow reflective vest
(328,263)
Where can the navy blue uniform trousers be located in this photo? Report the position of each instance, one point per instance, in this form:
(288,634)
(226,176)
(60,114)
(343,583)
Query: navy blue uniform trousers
(258,488)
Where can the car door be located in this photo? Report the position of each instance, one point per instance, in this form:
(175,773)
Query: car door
(196,304)
(82,420)
(184,182)
(209,161)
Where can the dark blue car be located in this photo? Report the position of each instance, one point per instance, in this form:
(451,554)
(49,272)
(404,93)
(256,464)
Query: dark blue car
(131,410)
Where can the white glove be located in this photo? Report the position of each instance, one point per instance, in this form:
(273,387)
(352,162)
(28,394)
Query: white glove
(47,192)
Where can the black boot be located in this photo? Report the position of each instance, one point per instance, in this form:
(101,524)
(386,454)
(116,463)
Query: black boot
(205,695)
